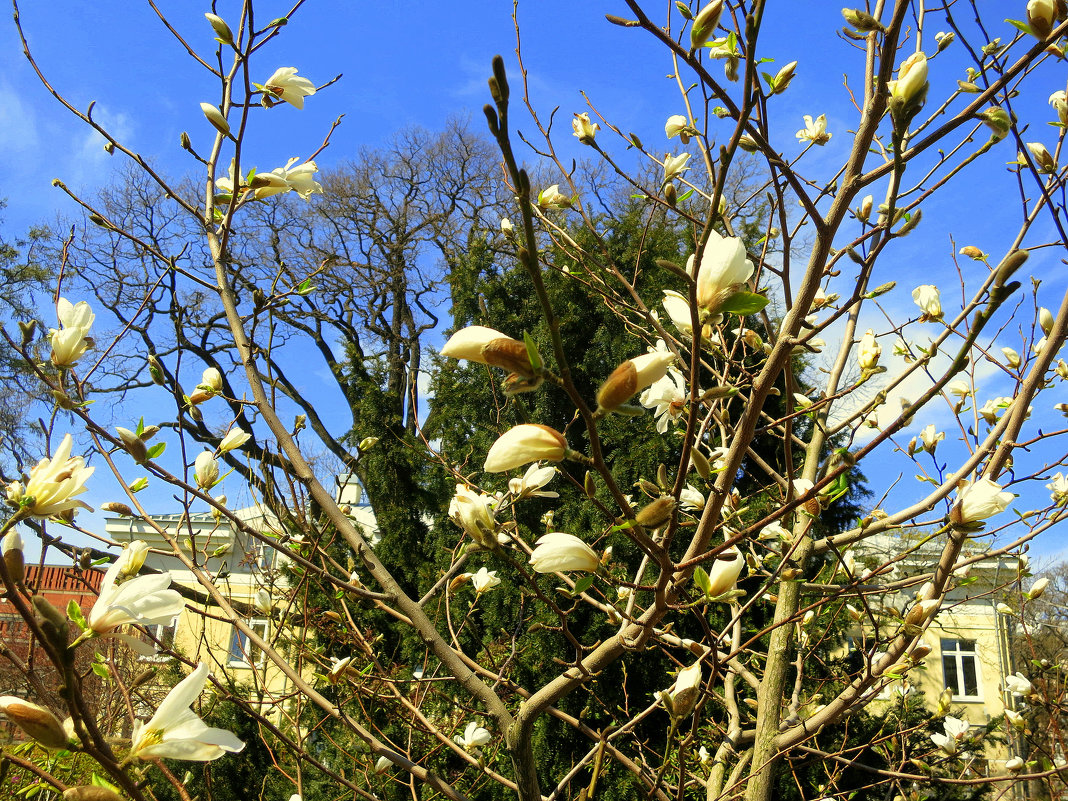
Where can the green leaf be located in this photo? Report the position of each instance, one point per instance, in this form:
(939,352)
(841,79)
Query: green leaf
(684,196)
(306,287)
(139,485)
(701,579)
(278,23)
(140,427)
(100,781)
(74,612)
(156,450)
(102,671)
(1020,26)
(583,584)
(743,303)
(532,352)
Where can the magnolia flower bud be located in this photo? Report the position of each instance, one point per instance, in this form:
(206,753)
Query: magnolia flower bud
(134,445)
(782,79)
(632,377)
(553,198)
(477,343)
(921,611)
(132,558)
(1038,588)
(1012,358)
(656,513)
(972,252)
(524,444)
(869,351)
(1045,320)
(558,552)
(14,559)
(116,507)
(36,721)
(222,30)
(216,118)
(704,24)
(1043,158)
(682,696)
(864,211)
(211,380)
(236,438)
(206,470)
(1041,15)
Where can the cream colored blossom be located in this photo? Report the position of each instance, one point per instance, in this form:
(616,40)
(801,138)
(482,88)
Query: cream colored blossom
(928,299)
(723,270)
(175,731)
(667,397)
(583,129)
(682,696)
(285,85)
(523,444)
(631,377)
(675,166)
(473,512)
(558,552)
(70,341)
(869,351)
(530,485)
(979,500)
(815,131)
(53,484)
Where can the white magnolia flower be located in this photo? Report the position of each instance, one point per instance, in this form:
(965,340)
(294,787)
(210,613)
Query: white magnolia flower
(631,377)
(691,499)
(558,552)
(285,85)
(678,309)
(815,131)
(775,531)
(1015,719)
(1038,589)
(675,166)
(931,438)
(667,397)
(530,485)
(583,129)
(145,600)
(484,580)
(928,299)
(300,179)
(506,226)
(955,731)
(69,342)
(175,732)
(53,484)
(552,198)
(211,379)
(682,696)
(961,388)
(723,576)
(234,439)
(993,408)
(869,351)
(911,81)
(1058,489)
(1018,685)
(473,512)
(262,601)
(1060,104)
(477,343)
(703,757)
(723,270)
(206,470)
(1012,358)
(132,558)
(382,764)
(523,444)
(678,125)
(978,500)
(473,738)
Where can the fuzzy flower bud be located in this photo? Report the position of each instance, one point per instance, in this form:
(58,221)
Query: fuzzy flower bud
(477,343)
(632,377)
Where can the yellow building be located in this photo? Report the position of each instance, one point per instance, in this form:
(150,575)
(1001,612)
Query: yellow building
(970,640)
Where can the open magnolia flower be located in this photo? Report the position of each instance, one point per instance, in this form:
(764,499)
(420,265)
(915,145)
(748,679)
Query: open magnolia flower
(175,732)
(928,299)
(978,500)
(722,271)
(53,484)
(285,85)
(484,580)
(530,485)
(955,731)
(473,738)
(473,512)
(667,397)
(70,342)
(815,131)
(144,600)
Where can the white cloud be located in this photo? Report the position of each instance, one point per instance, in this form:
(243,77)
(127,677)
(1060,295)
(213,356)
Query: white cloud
(18,123)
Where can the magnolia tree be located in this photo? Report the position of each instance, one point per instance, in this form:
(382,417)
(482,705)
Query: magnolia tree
(780,362)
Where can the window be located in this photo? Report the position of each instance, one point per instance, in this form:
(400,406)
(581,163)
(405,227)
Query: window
(244,653)
(960,668)
(163,634)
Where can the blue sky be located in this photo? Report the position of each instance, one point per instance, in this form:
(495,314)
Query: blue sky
(415,64)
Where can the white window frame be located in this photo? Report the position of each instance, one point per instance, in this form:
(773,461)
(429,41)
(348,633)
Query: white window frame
(158,631)
(952,650)
(241,655)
